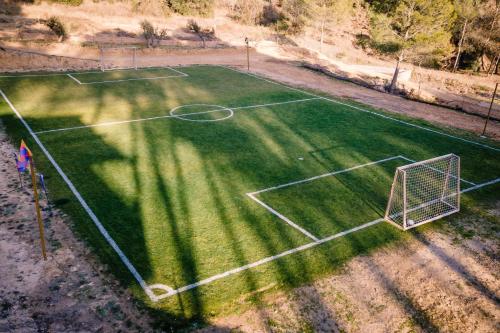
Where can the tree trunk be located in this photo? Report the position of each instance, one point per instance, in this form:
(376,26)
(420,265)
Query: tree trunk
(322,36)
(394,81)
(460,46)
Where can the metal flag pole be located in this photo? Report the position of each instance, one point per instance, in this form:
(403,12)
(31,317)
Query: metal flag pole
(37,206)
(248,53)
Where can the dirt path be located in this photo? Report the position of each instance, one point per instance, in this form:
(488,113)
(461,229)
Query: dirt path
(275,67)
(68,293)
(285,72)
(434,283)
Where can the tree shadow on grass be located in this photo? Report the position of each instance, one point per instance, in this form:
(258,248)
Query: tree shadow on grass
(160,161)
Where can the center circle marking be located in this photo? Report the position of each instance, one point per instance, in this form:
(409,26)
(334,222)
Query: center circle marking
(215,109)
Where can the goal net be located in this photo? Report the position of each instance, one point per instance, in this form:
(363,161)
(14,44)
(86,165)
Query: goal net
(118,58)
(424,191)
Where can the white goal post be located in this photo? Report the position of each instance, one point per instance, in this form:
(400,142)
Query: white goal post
(424,191)
(118,57)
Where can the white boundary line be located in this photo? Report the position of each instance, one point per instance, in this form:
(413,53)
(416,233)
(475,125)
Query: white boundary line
(111,123)
(286,219)
(364,110)
(291,251)
(181,74)
(283,217)
(84,204)
(325,175)
(267,259)
(95,72)
(74,78)
(491,182)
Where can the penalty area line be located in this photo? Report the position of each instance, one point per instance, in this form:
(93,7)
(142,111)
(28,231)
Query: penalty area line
(292,251)
(267,259)
(283,217)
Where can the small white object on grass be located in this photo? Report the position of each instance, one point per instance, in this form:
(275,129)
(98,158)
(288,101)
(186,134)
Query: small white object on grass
(301,158)
(411,222)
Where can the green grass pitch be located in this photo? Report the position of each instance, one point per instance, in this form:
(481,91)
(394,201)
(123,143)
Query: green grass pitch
(166,158)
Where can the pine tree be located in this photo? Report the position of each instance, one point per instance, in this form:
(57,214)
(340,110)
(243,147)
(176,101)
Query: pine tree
(467,11)
(413,27)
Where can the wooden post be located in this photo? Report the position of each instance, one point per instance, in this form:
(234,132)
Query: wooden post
(248,54)
(135,63)
(489,110)
(37,206)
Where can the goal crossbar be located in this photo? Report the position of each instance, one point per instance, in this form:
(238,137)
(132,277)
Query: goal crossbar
(127,58)
(424,191)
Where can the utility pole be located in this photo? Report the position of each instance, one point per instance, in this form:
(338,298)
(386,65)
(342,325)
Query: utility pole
(489,110)
(248,53)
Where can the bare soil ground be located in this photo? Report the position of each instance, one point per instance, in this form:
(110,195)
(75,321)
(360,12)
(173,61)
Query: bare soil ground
(71,291)
(438,282)
(446,280)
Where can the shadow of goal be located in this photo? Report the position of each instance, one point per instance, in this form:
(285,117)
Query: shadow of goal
(424,191)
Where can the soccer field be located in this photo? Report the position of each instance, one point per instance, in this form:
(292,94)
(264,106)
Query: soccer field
(206,183)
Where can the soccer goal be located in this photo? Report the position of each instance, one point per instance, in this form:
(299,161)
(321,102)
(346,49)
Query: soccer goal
(118,58)
(424,191)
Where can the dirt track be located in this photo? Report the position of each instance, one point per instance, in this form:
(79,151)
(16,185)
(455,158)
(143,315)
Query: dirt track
(281,70)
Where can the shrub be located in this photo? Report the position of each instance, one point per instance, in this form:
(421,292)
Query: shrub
(152,34)
(193,26)
(191,7)
(204,34)
(69,2)
(270,15)
(57,27)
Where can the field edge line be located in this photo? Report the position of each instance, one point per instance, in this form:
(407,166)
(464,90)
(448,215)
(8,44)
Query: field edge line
(84,204)
(268,259)
(294,250)
(283,217)
(361,109)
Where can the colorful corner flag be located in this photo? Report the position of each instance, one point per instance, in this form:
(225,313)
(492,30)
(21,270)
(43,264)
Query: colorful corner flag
(24,157)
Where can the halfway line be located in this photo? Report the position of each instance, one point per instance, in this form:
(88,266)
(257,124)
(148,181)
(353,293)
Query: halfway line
(111,123)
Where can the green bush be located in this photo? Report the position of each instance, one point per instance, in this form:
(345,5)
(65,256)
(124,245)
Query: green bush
(153,35)
(193,26)
(191,7)
(57,27)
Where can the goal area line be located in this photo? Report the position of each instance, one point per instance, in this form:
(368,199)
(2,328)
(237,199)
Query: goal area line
(294,250)
(293,224)
(179,74)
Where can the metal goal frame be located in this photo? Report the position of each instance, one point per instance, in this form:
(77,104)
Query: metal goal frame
(424,191)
